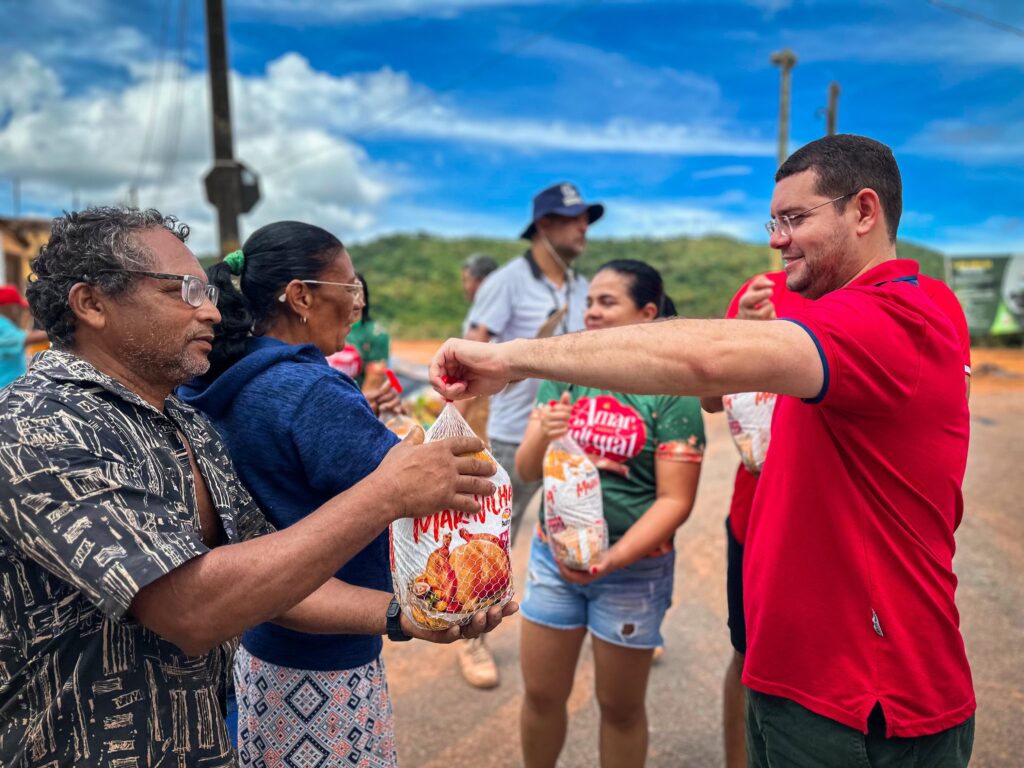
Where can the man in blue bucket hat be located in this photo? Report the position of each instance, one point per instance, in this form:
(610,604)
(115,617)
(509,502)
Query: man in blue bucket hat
(537,294)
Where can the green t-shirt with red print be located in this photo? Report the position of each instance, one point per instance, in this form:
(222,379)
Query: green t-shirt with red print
(624,434)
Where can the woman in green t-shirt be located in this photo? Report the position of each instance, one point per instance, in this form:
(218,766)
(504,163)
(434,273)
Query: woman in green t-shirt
(365,357)
(648,449)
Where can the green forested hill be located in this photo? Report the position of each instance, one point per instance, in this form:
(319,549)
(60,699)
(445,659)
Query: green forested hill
(416,291)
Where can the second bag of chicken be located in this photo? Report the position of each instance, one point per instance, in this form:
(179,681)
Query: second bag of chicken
(449,565)
(750,424)
(573,510)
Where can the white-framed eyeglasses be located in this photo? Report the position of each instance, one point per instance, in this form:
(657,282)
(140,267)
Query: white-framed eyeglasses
(354,289)
(785,224)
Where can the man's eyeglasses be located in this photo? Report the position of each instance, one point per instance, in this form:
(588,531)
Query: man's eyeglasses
(785,224)
(193,290)
(355,289)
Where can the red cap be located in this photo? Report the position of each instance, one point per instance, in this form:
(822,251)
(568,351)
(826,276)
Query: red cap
(9,295)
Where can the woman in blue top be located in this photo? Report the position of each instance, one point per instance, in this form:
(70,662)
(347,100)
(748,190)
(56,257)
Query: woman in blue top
(648,449)
(299,433)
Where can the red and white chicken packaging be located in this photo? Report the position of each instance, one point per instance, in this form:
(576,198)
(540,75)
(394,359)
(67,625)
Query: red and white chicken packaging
(573,509)
(449,565)
(750,424)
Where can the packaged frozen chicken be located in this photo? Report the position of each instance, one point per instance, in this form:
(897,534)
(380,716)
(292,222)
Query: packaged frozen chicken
(750,424)
(449,565)
(573,510)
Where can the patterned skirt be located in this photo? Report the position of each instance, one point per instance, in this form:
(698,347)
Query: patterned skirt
(296,718)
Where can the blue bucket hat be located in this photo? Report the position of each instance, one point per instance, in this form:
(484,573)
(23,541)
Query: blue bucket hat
(561,200)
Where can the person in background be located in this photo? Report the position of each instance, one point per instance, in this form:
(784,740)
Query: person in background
(649,464)
(537,294)
(299,432)
(475,269)
(14,339)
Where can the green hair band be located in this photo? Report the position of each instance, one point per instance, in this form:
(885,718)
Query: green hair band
(235,261)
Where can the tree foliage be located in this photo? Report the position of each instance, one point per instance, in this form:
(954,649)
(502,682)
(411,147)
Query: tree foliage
(417,293)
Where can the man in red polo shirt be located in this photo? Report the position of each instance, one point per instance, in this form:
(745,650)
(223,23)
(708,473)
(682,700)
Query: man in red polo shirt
(854,654)
(765,297)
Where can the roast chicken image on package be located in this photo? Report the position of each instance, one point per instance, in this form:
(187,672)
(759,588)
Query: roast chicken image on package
(451,564)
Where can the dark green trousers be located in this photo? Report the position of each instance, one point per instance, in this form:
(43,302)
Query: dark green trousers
(783,734)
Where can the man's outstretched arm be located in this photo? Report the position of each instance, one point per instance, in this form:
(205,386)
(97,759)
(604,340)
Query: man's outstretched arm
(676,357)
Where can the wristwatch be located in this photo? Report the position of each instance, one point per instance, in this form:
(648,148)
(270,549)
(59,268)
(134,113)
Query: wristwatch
(394,625)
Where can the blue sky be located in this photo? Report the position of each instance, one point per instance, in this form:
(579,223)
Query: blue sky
(377,116)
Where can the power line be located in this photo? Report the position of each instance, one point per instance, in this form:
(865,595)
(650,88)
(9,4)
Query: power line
(381,121)
(154,102)
(173,135)
(974,16)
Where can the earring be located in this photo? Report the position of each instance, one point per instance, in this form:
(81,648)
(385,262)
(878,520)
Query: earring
(304,319)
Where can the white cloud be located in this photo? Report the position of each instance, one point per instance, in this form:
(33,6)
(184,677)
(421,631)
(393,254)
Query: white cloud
(609,68)
(291,124)
(692,217)
(985,139)
(770,7)
(27,84)
(997,234)
(951,41)
(301,11)
(620,135)
(375,103)
(916,219)
(725,170)
(402,216)
(93,143)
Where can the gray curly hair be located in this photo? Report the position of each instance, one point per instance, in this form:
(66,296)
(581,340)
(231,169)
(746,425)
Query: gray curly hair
(83,246)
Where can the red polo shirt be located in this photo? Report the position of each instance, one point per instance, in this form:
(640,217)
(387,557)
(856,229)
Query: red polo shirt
(786,301)
(848,574)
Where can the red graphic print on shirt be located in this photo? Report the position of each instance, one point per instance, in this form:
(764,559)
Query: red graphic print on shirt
(348,361)
(605,427)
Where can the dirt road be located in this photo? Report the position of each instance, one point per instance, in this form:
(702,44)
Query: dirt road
(442,722)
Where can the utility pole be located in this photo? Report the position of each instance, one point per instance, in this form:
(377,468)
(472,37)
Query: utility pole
(785,60)
(832,109)
(230,186)
(16,195)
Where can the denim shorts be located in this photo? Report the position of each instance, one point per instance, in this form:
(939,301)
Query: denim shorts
(624,608)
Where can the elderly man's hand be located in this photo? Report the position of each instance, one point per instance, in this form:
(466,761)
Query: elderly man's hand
(423,479)
(756,301)
(462,369)
(481,623)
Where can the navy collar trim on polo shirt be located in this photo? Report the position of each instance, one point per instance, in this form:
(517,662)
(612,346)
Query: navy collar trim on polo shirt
(891,271)
(887,272)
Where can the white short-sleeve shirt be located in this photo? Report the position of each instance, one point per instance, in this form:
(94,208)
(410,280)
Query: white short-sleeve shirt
(513,303)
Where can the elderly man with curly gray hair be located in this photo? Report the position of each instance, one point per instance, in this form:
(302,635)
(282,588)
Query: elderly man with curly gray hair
(130,554)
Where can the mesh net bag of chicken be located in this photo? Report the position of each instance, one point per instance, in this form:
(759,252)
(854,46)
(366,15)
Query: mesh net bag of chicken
(451,564)
(750,423)
(573,511)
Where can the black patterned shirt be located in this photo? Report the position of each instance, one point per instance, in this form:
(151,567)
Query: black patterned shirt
(97,500)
